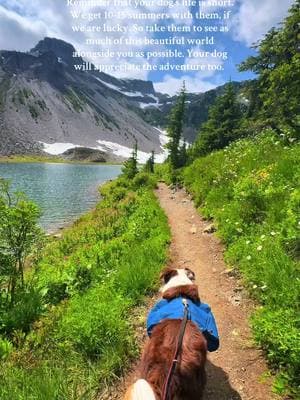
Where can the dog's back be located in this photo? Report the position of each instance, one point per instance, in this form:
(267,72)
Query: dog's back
(188,380)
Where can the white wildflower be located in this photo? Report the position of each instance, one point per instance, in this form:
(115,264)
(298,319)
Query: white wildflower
(259,248)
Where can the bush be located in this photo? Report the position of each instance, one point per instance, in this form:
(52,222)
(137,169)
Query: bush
(26,309)
(144,179)
(94,323)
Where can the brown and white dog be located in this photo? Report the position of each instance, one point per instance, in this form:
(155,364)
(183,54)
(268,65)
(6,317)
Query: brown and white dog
(188,379)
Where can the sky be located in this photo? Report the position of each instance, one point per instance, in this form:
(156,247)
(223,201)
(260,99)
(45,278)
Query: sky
(24,22)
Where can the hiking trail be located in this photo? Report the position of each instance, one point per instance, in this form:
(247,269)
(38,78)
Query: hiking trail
(237,371)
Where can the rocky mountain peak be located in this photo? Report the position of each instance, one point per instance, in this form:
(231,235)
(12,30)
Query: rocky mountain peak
(63,50)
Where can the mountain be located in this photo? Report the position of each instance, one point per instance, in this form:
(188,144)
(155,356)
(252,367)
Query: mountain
(48,104)
(43,99)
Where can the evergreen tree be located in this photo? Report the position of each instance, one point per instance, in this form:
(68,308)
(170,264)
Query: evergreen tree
(278,68)
(221,127)
(149,166)
(130,168)
(174,129)
(183,157)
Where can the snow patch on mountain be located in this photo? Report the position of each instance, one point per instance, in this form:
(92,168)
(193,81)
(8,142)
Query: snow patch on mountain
(126,152)
(57,148)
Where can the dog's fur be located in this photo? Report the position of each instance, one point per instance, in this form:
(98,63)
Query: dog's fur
(189,378)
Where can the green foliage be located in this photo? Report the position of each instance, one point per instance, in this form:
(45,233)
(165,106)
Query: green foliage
(95,325)
(275,95)
(20,236)
(174,129)
(46,382)
(222,125)
(251,189)
(163,173)
(272,328)
(91,281)
(144,179)
(130,168)
(27,308)
(5,349)
(149,166)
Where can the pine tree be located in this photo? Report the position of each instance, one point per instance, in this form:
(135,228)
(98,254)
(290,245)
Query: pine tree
(130,168)
(221,127)
(149,166)
(175,127)
(183,157)
(278,68)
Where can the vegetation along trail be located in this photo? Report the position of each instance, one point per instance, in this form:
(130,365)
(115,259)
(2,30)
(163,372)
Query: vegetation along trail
(236,371)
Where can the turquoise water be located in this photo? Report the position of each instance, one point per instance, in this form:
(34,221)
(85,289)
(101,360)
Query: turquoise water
(62,191)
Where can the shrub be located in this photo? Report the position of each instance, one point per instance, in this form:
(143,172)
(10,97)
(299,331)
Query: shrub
(144,179)
(94,323)
(26,309)
(5,348)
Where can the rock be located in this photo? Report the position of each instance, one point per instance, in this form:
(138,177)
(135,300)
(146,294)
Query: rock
(236,300)
(57,235)
(229,271)
(193,229)
(238,289)
(209,229)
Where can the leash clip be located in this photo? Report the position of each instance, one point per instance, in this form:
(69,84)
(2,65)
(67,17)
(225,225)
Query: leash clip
(185,303)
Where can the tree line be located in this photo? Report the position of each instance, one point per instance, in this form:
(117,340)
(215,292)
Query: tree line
(272,100)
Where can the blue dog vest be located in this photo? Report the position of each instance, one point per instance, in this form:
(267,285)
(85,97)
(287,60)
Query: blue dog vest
(199,313)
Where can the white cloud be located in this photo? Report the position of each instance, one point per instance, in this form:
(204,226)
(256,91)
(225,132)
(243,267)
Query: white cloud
(28,21)
(256,17)
(194,84)
(18,32)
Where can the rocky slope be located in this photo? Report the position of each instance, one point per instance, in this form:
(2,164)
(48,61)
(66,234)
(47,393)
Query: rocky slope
(44,100)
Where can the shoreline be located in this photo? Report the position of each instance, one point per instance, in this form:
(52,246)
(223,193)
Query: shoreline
(50,160)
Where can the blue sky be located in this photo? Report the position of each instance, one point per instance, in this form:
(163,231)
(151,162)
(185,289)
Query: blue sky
(24,22)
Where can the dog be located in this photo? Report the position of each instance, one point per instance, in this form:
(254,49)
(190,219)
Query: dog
(186,379)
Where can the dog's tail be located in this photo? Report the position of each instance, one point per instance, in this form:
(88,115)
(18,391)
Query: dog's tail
(140,390)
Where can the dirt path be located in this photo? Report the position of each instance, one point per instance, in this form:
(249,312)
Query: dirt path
(235,371)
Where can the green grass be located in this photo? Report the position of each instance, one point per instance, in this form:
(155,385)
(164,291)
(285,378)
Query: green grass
(90,281)
(251,189)
(23,158)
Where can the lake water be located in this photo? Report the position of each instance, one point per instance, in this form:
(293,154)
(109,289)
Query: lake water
(63,191)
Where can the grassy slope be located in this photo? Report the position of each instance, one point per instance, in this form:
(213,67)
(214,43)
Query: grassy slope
(251,189)
(91,280)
